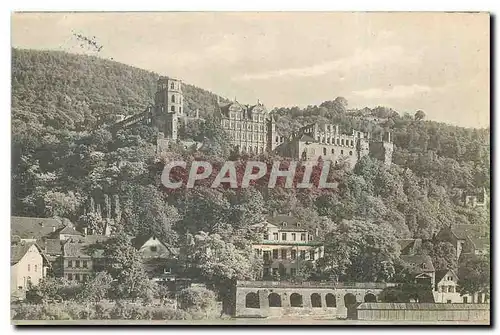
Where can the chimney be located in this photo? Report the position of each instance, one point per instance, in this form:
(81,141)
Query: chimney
(274,213)
(317,231)
(53,228)
(289,213)
(85,231)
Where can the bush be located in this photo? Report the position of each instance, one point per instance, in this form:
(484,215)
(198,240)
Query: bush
(197,299)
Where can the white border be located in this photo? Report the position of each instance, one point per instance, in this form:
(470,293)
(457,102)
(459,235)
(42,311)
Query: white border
(188,5)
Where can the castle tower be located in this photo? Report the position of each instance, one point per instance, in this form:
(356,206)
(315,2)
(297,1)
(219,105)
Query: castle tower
(169,106)
(169,95)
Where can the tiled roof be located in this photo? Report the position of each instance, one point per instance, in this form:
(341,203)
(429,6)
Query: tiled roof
(409,246)
(18,250)
(51,246)
(441,274)
(461,231)
(480,243)
(32,227)
(420,262)
(285,222)
(84,246)
(306,138)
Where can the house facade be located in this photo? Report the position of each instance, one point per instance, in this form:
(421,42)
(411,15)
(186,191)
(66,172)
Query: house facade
(286,246)
(159,261)
(26,266)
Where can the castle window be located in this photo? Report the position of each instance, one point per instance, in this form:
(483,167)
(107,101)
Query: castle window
(153,248)
(237,125)
(303,237)
(352,143)
(77,264)
(294,237)
(180,109)
(84,264)
(275,236)
(283,253)
(77,277)
(36,268)
(172,86)
(324,151)
(70,264)
(275,254)
(283,236)
(173,98)
(293,254)
(70,276)
(302,254)
(350,153)
(333,151)
(341,152)
(342,142)
(172,108)
(28,267)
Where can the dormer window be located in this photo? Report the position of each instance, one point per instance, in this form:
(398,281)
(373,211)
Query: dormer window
(283,224)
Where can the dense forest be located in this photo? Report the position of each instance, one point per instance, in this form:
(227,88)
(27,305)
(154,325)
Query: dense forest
(65,164)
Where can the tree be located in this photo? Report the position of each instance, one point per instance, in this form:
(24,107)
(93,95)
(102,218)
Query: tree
(197,299)
(444,256)
(219,261)
(419,115)
(474,275)
(97,288)
(124,264)
(216,141)
(357,250)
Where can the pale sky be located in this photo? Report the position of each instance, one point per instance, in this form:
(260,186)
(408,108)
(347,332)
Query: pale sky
(435,62)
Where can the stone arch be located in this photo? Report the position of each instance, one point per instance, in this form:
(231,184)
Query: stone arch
(296,300)
(252,300)
(331,301)
(370,297)
(274,300)
(349,299)
(315,300)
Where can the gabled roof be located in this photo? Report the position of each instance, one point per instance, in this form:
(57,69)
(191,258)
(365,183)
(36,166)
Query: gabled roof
(420,262)
(480,243)
(33,227)
(83,246)
(461,231)
(67,230)
(51,246)
(18,250)
(442,273)
(285,222)
(306,138)
(139,241)
(409,246)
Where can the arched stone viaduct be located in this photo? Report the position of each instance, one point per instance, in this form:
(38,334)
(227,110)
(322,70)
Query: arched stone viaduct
(268,298)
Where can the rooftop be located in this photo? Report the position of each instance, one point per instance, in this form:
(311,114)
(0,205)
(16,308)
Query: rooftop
(33,227)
